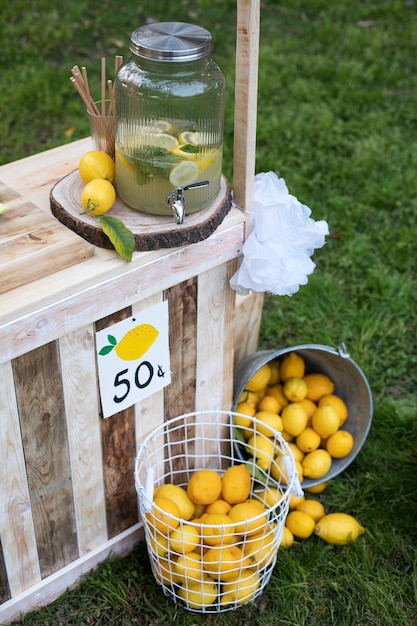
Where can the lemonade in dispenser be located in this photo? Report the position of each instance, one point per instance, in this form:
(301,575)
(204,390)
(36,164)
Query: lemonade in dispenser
(169,121)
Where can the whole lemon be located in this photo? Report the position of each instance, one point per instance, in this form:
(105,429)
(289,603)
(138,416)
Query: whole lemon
(204,486)
(260,379)
(225,562)
(96,164)
(217,529)
(292,365)
(198,594)
(316,464)
(339,444)
(337,403)
(98,196)
(318,385)
(325,420)
(295,389)
(287,538)
(294,419)
(241,589)
(300,524)
(338,528)
(236,484)
(308,440)
(312,507)
(179,496)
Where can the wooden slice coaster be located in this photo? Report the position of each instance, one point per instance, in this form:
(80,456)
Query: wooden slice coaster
(151,232)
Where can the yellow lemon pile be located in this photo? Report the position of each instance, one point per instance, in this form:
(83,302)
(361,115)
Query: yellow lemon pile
(97,171)
(303,407)
(210,540)
(307,516)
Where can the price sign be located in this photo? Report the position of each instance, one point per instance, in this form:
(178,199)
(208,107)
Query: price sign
(133,359)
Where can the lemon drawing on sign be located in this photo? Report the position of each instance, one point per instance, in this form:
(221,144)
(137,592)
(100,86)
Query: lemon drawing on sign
(133,344)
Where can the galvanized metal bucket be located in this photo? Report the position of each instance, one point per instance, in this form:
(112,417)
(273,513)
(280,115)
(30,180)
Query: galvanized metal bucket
(350,384)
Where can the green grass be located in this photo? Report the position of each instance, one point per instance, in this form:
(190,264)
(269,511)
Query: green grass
(337,119)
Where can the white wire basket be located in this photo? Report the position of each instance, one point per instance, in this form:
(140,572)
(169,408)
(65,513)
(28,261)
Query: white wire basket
(240,566)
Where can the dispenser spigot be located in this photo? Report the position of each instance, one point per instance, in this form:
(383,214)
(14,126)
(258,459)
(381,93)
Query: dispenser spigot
(176,199)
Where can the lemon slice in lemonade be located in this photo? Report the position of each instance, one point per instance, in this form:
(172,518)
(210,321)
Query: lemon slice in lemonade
(186,150)
(190,136)
(183,174)
(163,140)
(164,127)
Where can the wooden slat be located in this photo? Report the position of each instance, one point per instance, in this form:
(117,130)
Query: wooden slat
(119,452)
(149,413)
(91,296)
(79,378)
(44,432)
(4,583)
(19,551)
(180,394)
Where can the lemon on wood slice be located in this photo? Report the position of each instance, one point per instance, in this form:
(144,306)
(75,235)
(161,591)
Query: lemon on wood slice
(183,174)
(96,164)
(98,197)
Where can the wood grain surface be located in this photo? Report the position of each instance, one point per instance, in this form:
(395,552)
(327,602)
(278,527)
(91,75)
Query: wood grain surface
(33,244)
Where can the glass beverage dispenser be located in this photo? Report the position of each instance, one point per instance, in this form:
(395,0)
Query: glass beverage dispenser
(169,121)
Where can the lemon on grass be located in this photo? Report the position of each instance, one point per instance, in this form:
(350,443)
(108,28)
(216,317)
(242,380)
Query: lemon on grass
(317,488)
(96,164)
(316,464)
(325,420)
(339,444)
(312,507)
(204,486)
(338,528)
(183,173)
(98,196)
(260,379)
(300,524)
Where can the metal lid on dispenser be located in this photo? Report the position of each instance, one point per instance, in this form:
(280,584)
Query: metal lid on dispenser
(171,41)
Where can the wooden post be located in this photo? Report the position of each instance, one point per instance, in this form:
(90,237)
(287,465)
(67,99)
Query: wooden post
(248,308)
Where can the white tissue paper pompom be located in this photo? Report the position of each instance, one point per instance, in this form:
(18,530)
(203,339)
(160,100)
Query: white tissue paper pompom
(276,255)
